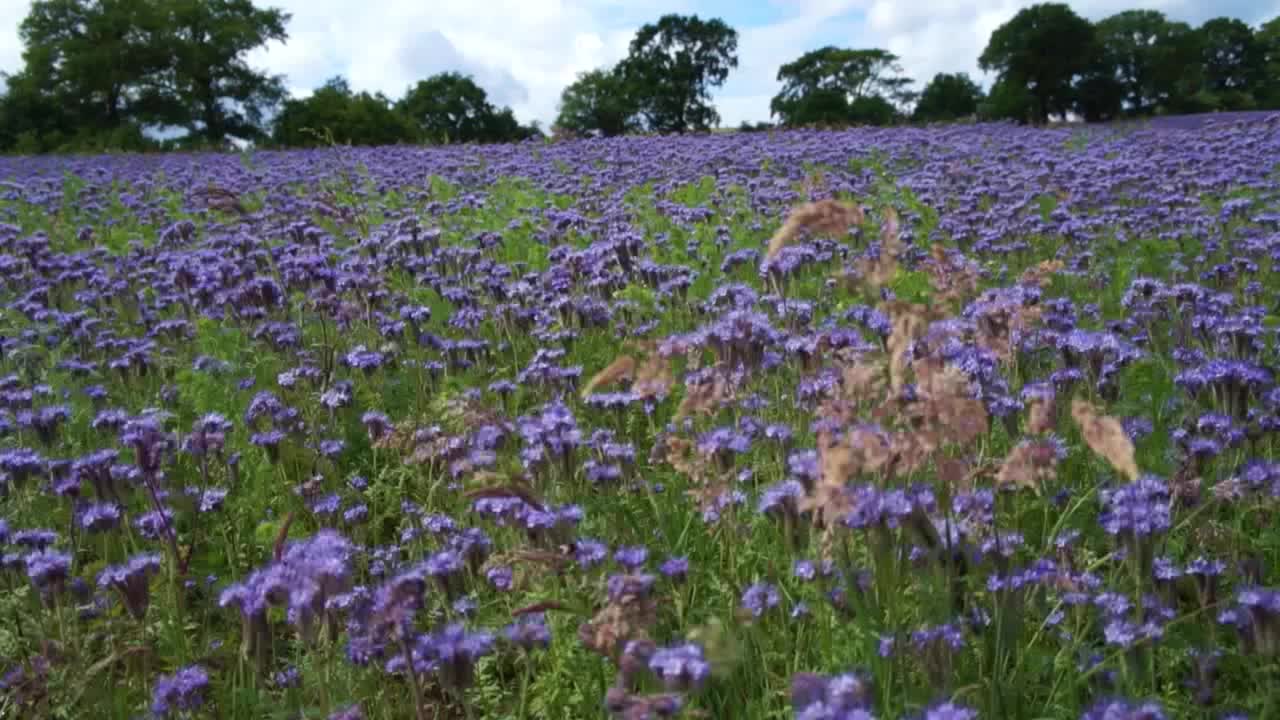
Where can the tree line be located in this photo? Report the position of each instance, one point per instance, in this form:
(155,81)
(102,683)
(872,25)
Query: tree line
(109,74)
(1048,62)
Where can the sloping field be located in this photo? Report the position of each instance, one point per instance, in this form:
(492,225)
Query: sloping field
(949,423)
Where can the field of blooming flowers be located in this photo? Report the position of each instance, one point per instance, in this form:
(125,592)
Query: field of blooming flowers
(986,428)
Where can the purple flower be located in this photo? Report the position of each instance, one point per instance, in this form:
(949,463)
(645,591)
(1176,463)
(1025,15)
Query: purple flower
(529,633)
(332,448)
(377,424)
(21,463)
(804,570)
(500,577)
(132,580)
(208,435)
(348,713)
(675,568)
(99,517)
(873,506)
(182,691)
(211,500)
(1118,709)
(682,668)
(631,558)
(760,598)
(48,569)
(445,567)
(455,651)
(842,697)
(356,514)
(364,359)
(288,678)
(949,711)
(781,499)
(589,553)
(1136,510)
(155,524)
(35,538)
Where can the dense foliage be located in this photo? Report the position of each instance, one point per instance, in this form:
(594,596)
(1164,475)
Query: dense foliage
(98,71)
(832,86)
(120,74)
(957,422)
(948,96)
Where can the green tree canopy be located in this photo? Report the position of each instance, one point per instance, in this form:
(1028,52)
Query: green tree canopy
(96,59)
(598,101)
(1044,49)
(1139,45)
(334,112)
(451,107)
(1233,62)
(948,96)
(1268,39)
(99,71)
(823,86)
(671,67)
(215,94)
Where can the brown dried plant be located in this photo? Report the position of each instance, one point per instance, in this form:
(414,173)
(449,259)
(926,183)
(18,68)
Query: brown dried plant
(647,370)
(1029,465)
(627,617)
(1041,273)
(953,281)
(1042,414)
(880,271)
(1106,437)
(622,369)
(653,377)
(829,217)
(863,382)
(704,398)
(222,199)
(512,487)
(909,324)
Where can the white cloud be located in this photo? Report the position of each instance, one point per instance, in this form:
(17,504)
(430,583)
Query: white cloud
(523,52)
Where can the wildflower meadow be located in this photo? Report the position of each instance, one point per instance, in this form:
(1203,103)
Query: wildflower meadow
(938,423)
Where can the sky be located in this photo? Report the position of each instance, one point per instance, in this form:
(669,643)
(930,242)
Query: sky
(524,52)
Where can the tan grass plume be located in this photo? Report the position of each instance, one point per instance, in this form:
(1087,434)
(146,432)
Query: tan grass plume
(830,217)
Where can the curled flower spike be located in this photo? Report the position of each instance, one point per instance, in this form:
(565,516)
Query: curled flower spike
(682,668)
(131,580)
(180,692)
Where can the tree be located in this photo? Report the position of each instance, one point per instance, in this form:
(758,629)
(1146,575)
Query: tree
(1099,94)
(948,96)
(1233,62)
(451,107)
(502,126)
(1138,45)
(1008,101)
(1181,85)
(334,111)
(1268,90)
(101,71)
(1044,48)
(671,67)
(94,57)
(598,101)
(872,110)
(823,86)
(213,91)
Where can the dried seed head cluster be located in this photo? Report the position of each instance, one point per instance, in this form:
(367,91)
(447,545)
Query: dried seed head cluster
(1105,436)
(879,271)
(629,614)
(824,217)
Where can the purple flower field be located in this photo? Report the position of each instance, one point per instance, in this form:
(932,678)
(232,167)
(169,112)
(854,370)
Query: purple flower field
(961,422)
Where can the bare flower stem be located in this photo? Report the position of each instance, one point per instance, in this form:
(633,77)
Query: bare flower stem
(418,710)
